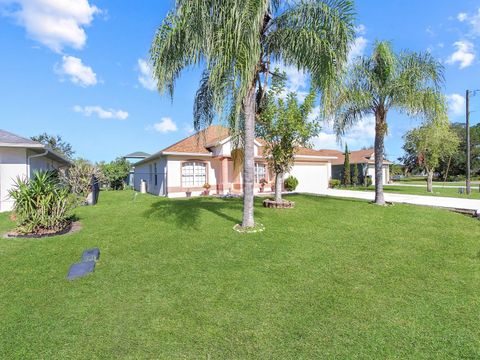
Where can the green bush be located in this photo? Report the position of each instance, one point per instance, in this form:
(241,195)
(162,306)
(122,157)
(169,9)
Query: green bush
(42,204)
(290,183)
(334,183)
(368,181)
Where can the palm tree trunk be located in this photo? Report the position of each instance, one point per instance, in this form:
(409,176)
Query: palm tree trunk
(278,187)
(430,181)
(249,157)
(380,127)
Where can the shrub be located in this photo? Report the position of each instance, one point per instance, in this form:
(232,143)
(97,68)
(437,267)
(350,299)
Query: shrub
(42,204)
(334,183)
(115,173)
(291,183)
(79,177)
(368,181)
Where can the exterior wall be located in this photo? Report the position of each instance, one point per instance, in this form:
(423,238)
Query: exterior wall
(42,163)
(13,164)
(364,170)
(386,173)
(146,171)
(174,175)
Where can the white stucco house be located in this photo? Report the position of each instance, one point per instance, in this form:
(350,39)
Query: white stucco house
(20,158)
(206,157)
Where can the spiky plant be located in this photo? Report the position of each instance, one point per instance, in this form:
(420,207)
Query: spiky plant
(408,82)
(41,203)
(235,42)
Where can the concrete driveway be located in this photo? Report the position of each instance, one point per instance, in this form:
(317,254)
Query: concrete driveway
(435,201)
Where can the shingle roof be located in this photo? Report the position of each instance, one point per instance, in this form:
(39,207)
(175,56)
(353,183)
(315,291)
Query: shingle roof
(16,140)
(197,142)
(137,154)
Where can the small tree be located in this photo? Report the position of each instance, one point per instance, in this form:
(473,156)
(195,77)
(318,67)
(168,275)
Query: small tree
(79,177)
(56,143)
(355,175)
(284,125)
(346,168)
(115,173)
(431,143)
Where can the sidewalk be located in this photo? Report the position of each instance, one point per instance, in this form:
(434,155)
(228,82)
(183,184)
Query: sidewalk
(435,201)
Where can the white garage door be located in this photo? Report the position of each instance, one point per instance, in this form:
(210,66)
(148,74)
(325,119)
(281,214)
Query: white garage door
(312,178)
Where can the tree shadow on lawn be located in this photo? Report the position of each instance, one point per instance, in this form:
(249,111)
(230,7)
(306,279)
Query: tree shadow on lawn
(186,212)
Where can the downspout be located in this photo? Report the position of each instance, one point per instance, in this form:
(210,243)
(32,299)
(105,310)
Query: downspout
(35,156)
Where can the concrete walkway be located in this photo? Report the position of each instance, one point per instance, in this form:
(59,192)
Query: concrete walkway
(435,201)
(434,185)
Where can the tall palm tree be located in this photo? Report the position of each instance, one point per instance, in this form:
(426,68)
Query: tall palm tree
(235,42)
(408,82)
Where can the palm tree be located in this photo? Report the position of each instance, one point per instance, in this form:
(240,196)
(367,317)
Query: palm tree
(235,42)
(408,82)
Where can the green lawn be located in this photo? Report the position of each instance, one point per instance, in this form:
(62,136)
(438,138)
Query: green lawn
(437,191)
(332,278)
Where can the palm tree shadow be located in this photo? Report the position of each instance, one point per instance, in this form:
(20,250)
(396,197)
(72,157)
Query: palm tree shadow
(186,213)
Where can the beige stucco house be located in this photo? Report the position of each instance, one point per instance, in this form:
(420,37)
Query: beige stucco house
(206,157)
(20,158)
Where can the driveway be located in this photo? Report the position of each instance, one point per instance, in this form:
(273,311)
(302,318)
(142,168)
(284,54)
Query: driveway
(435,201)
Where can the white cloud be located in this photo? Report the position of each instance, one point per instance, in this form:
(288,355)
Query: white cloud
(358,48)
(361,29)
(165,125)
(462,17)
(464,55)
(54,23)
(145,76)
(360,135)
(78,73)
(456,104)
(473,22)
(101,113)
(359,44)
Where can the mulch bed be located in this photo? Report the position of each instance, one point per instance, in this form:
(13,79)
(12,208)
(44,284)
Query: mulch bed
(71,228)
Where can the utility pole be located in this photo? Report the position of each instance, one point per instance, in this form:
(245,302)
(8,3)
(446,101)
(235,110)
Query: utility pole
(467,124)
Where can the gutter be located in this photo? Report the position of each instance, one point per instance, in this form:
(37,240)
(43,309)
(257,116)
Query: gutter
(35,156)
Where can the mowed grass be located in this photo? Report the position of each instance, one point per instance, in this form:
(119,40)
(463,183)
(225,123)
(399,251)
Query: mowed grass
(332,278)
(414,190)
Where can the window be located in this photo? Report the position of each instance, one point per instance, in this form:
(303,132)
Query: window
(259,172)
(194,174)
(150,173)
(155,173)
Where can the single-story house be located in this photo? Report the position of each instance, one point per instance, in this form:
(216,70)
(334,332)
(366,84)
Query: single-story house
(20,158)
(206,157)
(133,158)
(364,160)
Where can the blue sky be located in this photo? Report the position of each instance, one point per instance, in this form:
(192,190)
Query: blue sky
(76,68)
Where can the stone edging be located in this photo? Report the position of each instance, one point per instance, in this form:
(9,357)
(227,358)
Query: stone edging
(285,204)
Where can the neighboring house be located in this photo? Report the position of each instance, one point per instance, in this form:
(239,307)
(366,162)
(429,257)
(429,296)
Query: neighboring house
(20,158)
(364,159)
(206,157)
(133,158)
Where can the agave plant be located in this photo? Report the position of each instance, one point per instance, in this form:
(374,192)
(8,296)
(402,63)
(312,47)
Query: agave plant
(42,204)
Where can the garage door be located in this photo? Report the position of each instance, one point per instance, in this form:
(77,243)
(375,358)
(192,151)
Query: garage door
(312,178)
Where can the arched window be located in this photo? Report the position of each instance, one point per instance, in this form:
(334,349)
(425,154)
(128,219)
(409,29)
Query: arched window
(194,174)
